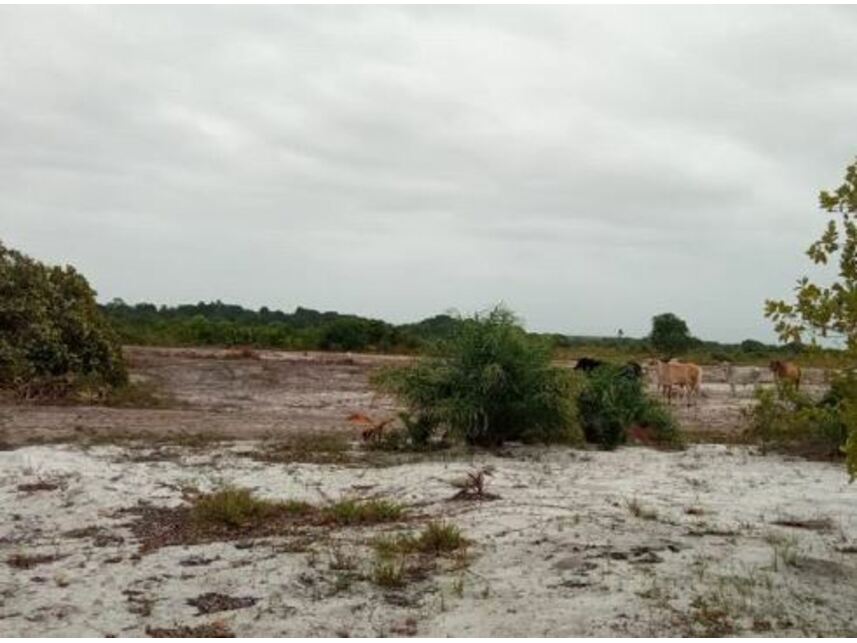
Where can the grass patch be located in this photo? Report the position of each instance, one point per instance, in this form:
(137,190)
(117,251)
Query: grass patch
(214,630)
(318,448)
(40,485)
(366,512)
(139,395)
(389,573)
(437,538)
(408,556)
(28,561)
(440,538)
(233,513)
(233,507)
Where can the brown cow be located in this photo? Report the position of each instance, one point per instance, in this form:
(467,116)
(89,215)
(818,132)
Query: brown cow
(786,372)
(686,376)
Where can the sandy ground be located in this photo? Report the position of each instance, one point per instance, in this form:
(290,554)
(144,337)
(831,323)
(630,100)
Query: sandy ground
(634,542)
(712,540)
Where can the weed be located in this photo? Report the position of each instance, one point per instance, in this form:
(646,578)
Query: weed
(320,448)
(28,561)
(233,507)
(341,560)
(639,511)
(435,539)
(389,573)
(711,614)
(438,538)
(784,551)
(368,512)
(472,487)
(214,630)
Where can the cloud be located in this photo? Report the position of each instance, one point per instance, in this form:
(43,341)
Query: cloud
(590,166)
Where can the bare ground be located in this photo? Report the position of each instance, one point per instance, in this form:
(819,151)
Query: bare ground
(713,540)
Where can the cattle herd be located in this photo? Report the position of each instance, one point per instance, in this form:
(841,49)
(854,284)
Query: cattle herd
(684,379)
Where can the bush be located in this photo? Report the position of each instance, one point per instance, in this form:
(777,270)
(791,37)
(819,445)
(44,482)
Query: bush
(611,402)
(52,333)
(489,383)
(786,419)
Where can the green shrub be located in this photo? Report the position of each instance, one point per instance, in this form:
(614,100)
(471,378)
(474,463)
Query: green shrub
(611,402)
(489,383)
(52,333)
(786,419)
(656,417)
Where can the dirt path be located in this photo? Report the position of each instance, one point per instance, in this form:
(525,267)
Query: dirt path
(219,393)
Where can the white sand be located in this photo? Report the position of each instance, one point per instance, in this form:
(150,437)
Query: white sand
(560,553)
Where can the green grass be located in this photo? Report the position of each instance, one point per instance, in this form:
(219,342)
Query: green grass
(436,538)
(232,507)
(388,573)
(363,512)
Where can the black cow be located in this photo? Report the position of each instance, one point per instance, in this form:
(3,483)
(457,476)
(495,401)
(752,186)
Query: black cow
(587,364)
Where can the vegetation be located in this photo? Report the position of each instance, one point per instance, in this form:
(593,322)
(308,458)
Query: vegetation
(364,512)
(820,313)
(785,419)
(670,335)
(436,538)
(233,507)
(389,573)
(612,402)
(489,383)
(827,311)
(53,337)
(220,324)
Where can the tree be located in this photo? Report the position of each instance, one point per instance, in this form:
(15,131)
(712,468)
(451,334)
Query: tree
(670,334)
(826,311)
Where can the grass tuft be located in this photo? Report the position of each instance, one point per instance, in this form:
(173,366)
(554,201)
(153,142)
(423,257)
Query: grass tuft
(235,507)
(437,538)
(388,573)
(367,512)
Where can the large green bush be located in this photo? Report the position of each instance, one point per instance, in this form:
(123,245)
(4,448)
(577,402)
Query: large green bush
(52,333)
(612,402)
(786,419)
(489,383)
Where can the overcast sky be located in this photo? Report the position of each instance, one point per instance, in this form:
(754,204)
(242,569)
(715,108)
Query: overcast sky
(591,167)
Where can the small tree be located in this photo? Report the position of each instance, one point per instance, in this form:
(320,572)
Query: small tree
(826,311)
(489,383)
(830,311)
(670,334)
(51,326)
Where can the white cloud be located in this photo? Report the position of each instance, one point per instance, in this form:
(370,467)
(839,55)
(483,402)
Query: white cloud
(590,166)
